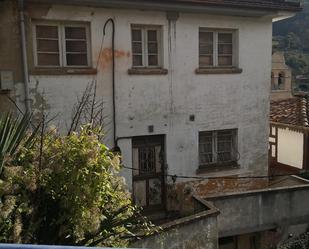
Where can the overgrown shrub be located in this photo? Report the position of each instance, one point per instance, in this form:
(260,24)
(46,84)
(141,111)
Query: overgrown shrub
(301,242)
(66,190)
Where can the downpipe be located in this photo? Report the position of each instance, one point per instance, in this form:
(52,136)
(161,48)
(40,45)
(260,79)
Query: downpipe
(24,55)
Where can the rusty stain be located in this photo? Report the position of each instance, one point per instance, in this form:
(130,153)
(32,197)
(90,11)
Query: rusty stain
(107,56)
(179,198)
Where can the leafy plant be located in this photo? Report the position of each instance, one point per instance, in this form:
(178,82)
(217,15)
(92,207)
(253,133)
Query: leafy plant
(301,242)
(12,133)
(66,190)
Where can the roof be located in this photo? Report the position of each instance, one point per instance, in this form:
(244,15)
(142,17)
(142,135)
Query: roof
(292,111)
(287,5)
(264,4)
(278,61)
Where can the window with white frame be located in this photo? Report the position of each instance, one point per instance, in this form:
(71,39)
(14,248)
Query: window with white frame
(217,147)
(217,48)
(146,46)
(58,44)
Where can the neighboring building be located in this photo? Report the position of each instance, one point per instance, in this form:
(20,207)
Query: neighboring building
(281,78)
(289,140)
(190,99)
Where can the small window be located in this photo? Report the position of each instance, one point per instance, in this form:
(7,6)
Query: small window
(217,48)
(217,147)
(61,45)
(146,46)
(281,81)
(273,84)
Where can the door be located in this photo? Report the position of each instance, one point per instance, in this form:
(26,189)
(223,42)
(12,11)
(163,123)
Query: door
(148,174)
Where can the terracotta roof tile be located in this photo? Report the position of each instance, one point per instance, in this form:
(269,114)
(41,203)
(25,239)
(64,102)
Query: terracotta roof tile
(293,111)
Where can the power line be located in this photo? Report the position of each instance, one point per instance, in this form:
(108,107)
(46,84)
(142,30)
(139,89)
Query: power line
(175,176)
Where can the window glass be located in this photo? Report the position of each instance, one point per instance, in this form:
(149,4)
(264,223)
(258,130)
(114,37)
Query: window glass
(76,46)
(206,148)
(217,147)
(137,47)
(216,48)
(72,52)
(152,46)
(225,49)
(145,46)
(206,49)
(47,45)
(78,33)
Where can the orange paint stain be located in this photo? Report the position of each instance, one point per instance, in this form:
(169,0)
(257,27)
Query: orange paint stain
(106,56)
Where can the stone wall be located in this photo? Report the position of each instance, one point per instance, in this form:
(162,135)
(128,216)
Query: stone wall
(199,233)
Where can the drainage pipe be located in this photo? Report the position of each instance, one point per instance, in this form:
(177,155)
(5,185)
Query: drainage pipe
(116,148)
(24,54)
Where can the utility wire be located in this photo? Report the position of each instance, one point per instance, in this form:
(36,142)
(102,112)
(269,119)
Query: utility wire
(174,177)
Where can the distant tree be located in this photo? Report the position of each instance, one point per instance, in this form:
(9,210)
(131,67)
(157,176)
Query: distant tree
(292,41)
(298,64)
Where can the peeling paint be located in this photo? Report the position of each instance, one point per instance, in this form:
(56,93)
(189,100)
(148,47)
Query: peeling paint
(39,104)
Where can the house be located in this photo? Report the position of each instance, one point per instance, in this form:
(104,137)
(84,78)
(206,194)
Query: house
(281,78)
(185,87)
(288,140)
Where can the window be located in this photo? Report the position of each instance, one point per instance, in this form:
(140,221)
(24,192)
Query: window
(281,81)
(217,48)
(146,46)
(61,45)
(217,147)
(273,84)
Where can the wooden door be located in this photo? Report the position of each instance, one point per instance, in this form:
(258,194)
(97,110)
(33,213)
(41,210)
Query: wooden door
(148,174)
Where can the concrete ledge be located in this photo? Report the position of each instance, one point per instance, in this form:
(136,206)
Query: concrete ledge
(63,71)
(264,209)
(218,70)
(147,71)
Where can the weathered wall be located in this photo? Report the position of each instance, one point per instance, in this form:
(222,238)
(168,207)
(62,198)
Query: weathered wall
(10,51)
(180,194)
(201,234)
(290,147)
(258,211)
(166,101)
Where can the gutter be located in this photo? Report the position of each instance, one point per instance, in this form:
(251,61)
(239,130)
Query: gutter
(24,54)
(246,11)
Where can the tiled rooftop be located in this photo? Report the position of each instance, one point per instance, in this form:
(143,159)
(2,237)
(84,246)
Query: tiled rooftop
(293,111)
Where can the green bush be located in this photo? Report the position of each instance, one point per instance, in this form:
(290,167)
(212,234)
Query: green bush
(301,242)
(66,190)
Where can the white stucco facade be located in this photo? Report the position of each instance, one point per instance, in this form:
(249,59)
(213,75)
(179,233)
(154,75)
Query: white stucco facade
(290,147)
(218,101)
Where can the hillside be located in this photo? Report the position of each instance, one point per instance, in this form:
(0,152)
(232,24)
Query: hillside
(292,36)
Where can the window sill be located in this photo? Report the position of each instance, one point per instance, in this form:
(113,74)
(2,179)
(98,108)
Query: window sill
(215,167)
(147,71)
(279,91)
(5,91)
(218,70)
(63,71)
